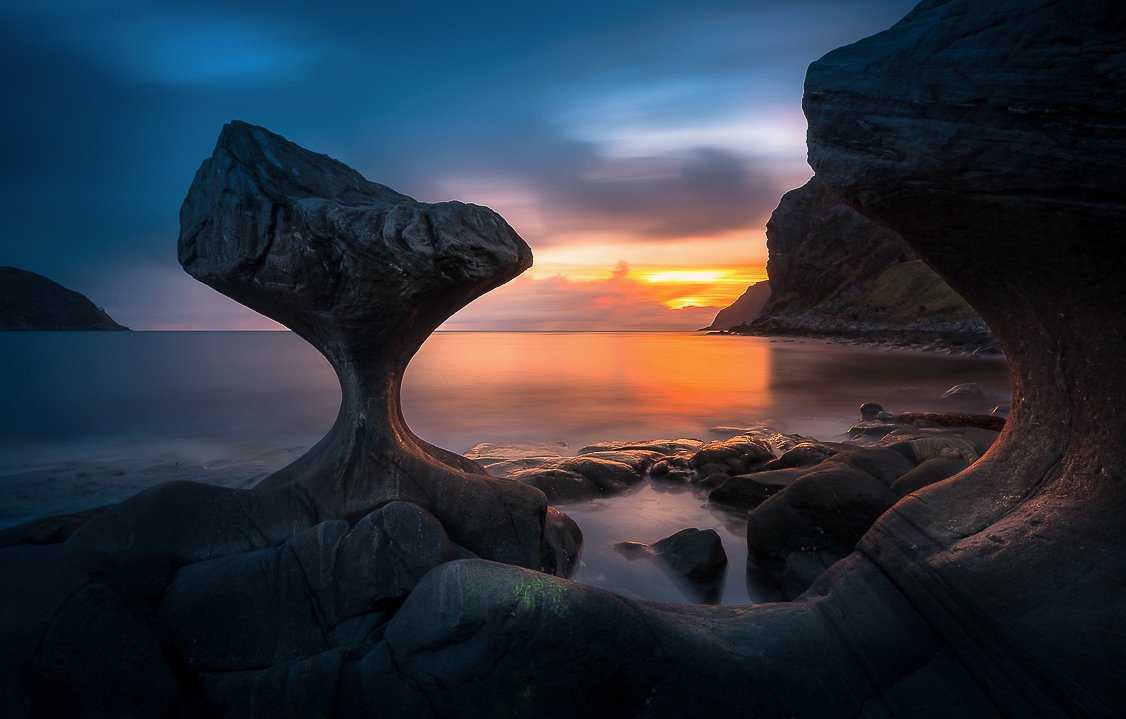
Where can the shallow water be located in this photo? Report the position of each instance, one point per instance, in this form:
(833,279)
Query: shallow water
(87,417)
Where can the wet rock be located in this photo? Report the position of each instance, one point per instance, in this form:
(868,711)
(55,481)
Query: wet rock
(949,419)
(713,480)
(747,491)
(661,446)
(969,390)
(805,454)
(746,450)
(979,439)
(875,429)
(486,453)
(696,554)
(639,460)
(823,512)
(566,479)
(693,557)
(926,448)
(303,688)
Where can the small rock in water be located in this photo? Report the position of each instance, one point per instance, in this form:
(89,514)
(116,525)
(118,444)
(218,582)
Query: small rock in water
(695,558)
(695,554)
(968,390)
(869,411)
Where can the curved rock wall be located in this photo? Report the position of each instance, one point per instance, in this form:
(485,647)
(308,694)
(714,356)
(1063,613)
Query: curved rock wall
(992,136)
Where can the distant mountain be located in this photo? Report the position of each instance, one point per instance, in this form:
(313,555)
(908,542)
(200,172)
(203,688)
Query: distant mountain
(32,302)
(743,310)
(835,273)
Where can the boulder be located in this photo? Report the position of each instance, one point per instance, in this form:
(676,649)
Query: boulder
(695,554)
(567,479)
(330,586)
(738,453)
(747,491)
(694,558)
(968,390)
(805,454)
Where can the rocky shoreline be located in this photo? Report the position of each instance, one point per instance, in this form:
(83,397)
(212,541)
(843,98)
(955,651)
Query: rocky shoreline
(807,501)
(967,337)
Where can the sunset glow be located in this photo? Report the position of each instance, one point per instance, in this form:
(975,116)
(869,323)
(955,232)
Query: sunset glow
(622,296)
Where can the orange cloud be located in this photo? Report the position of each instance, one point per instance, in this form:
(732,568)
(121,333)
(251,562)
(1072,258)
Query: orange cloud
(624,298)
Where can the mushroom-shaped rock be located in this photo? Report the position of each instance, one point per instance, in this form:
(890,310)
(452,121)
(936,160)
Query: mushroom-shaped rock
(365,274)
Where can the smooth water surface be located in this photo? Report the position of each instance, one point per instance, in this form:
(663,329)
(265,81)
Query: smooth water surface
(90,417)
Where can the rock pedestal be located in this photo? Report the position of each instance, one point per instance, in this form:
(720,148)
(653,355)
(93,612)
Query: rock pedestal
(365,274)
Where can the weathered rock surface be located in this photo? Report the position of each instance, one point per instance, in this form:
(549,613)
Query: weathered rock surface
(32,302)
(329,587)
(836,273)
(744,310)
(365,274)
(995,131)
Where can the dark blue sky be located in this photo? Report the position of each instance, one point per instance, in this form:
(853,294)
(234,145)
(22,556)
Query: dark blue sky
(604,131)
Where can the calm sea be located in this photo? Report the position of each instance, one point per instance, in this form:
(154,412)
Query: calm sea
(72,401)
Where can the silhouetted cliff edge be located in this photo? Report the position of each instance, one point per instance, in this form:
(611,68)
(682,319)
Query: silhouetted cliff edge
(32,302)
(835,273)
